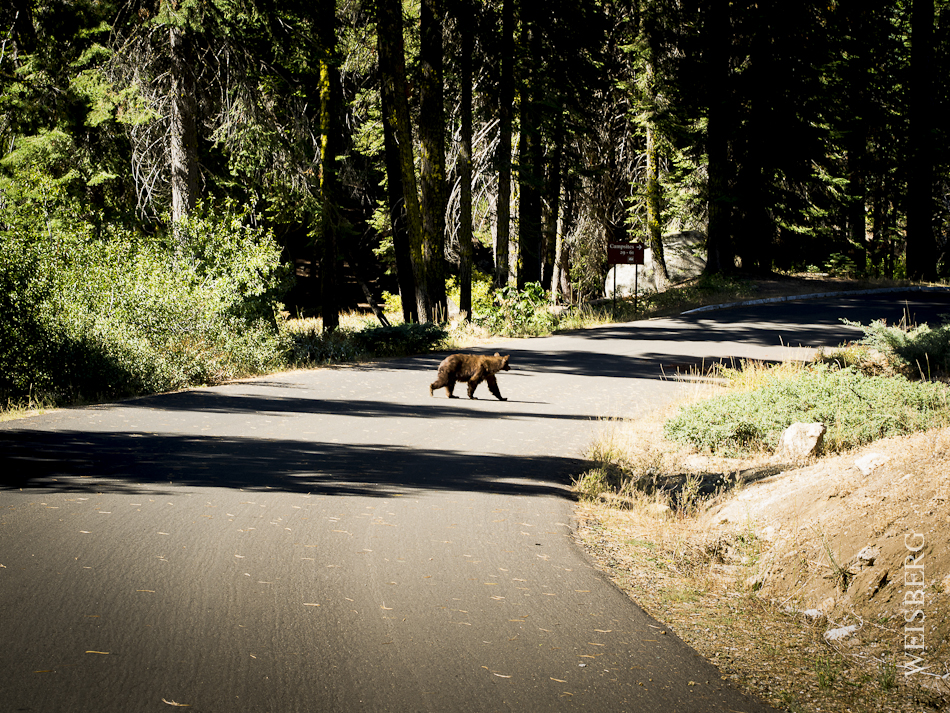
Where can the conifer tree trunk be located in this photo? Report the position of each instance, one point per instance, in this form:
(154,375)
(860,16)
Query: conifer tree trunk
(921,245)
(465,160)
(856,139)
(752,233)
(183,139)
(392,69)
(530,152)
(506,99)
(330,131)
(550,233)
(654,207)
(720,256)
(432,140)
(398,220)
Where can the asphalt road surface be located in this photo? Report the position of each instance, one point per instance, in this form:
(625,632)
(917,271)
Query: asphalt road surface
(337,540)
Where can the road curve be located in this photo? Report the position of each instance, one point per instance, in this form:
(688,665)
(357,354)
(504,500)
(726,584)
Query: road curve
(337,540)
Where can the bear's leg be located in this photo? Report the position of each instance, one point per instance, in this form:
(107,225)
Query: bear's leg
(493,387)
(473,382)
(443,379)
(450,387)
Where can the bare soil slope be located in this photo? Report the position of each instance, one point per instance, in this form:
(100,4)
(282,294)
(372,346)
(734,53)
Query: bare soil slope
(795,584)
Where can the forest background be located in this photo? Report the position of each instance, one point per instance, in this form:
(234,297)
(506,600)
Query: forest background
(176,175)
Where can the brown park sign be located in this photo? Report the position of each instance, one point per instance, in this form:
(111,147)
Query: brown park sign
(625,253)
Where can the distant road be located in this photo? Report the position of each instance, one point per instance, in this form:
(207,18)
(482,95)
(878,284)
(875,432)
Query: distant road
(337,540)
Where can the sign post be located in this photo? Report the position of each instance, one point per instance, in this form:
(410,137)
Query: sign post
(626,254)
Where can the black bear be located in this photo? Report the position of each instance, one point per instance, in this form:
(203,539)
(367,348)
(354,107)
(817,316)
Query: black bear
(473,368)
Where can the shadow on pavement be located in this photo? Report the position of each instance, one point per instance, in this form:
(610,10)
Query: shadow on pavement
(224,402)
(71,461)
(808,323)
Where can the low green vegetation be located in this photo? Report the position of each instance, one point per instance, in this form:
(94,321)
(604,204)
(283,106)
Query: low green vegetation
(92,312)
(916,351)
(880,386)
(514,313)
(856,409)
(308,344)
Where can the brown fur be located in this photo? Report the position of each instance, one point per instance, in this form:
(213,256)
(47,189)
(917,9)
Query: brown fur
(473,368)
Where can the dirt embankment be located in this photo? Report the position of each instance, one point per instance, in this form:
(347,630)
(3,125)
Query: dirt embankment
(819,588)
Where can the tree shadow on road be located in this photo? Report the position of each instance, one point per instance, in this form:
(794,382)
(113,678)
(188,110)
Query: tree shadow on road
(700,339)
(72,461)
(225,402)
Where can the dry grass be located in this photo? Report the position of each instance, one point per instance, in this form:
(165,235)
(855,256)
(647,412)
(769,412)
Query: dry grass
(31,406)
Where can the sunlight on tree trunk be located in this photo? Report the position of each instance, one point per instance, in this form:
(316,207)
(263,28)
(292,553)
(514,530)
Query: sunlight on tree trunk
(183,139)
(553,190)
(328,182)
(432,142)
(505,104)
(397,218)
(392,68)
(465,161)
(654,228)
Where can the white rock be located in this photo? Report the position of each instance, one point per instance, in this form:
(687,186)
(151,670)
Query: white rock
(813,613)
(867,464)
(838,634)
(802,440)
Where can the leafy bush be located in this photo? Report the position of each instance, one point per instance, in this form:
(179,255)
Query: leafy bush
(482,298)
(519,313)
(399,339)
(915,351)
(93,311)
(841,266)
(305,342)
(392,304)
(857,409)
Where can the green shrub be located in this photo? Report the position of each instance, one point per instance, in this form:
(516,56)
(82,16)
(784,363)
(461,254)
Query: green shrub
(482,297)
(516,312)
(305,342)
(399,339)
(857,409)
(915,351)
(97,311)
(841,265)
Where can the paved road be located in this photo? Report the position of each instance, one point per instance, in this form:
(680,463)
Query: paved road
(337,540)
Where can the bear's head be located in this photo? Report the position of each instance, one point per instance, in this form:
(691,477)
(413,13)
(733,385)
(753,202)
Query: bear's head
(504,362)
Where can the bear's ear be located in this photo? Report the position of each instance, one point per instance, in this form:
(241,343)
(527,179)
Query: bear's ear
(497,354)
